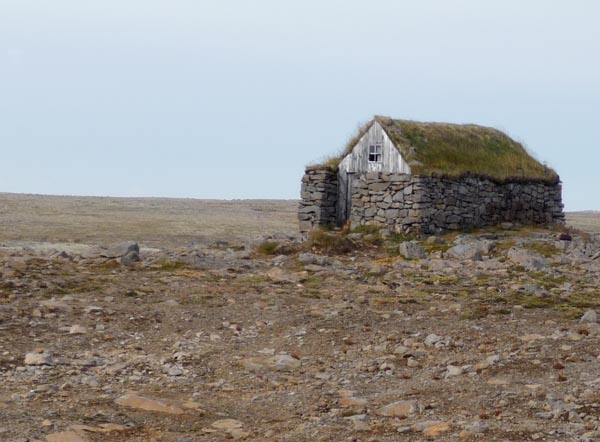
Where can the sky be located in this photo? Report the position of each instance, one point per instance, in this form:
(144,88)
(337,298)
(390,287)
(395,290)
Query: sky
(231,99)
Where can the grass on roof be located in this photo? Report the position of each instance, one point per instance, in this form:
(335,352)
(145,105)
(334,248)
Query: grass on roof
(455,150)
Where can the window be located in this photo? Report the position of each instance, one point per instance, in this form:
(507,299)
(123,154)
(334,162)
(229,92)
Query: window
(375,153)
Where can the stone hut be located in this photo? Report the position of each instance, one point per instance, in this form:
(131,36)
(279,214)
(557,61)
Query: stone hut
(423,178)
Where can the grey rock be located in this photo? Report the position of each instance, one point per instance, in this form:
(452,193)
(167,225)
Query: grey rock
(314,268)
(121,249)
(399,409)
(527,258)
(359,422)
(453,370)
(412,250)
(175,371)
(38,359)
(312,258)
(130,258)
(589,317)
(433,340)
(470,252)
(435,240)
(284,362)
(477,427)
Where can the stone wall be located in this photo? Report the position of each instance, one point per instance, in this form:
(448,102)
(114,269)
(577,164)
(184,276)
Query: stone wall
(319,196)
(423,204)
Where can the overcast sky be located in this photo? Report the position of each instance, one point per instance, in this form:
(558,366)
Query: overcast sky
(232,98)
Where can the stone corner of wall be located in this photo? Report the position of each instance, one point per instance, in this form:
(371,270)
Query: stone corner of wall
(318,198)
(319,168)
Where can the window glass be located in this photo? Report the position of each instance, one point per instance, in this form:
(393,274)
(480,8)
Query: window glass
(375,153)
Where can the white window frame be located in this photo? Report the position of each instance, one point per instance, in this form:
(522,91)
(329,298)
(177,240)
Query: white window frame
(376,153)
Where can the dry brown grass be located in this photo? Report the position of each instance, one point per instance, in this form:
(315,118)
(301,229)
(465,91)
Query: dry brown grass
(153,221)
(587,221)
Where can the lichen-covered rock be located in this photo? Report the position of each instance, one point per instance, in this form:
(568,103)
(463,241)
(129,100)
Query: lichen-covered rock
(528,259)
(412,250)
(589,317)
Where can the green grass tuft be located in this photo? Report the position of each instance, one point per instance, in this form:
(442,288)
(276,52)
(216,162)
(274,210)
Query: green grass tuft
(542,247)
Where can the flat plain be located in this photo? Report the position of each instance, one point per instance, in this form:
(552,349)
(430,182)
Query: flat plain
(225,326)
(152,221)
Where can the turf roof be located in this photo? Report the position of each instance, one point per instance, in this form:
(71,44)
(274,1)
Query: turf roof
(454,150)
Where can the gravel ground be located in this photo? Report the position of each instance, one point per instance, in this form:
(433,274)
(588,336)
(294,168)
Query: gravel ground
(218,339)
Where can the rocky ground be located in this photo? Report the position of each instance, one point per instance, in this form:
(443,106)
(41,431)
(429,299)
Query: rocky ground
(487,336)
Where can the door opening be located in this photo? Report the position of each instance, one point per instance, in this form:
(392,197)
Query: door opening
(348,202)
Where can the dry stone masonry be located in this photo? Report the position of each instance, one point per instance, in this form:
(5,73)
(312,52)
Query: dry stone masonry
(319,196)
(429,204)
(425,204)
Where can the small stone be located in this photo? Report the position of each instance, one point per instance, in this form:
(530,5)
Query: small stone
(38,359)
(65,436)
(77,330)
(238,434)
(121,249)
(401,350)
(284,362)
(433,428)
(109,427)
(477,427)
(531,337)
(175,371)
(589,317)
(55,306)
(359,422)
(46,423)
(130,258)
(412,250)
(470,252)
(412,362)
(191,405)
(432,339)
(528,259)
(351,401)
(142,403)
(227,424)
(453,370)
(487,363)
(401,409)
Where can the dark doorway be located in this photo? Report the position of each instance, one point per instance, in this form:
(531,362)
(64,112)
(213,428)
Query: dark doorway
(348,202)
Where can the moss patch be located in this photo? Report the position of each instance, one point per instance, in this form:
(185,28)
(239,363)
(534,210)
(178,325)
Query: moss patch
(544,248)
